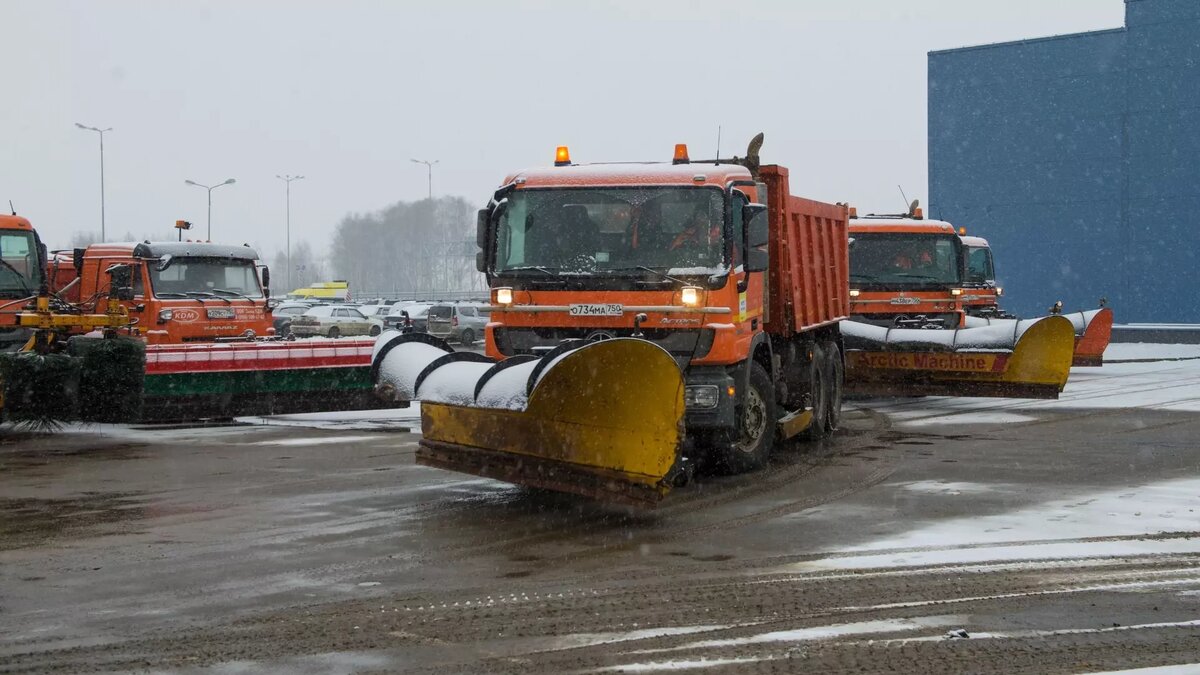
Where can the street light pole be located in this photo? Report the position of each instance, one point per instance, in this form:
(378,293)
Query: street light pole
(210,188)
(429,166)
(101,132)
(288,178)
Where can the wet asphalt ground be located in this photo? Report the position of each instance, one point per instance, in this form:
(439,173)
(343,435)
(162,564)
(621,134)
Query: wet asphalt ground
(1060,541)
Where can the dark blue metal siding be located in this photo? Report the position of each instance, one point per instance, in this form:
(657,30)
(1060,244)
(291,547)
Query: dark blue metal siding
(1078,157)
(1163,161)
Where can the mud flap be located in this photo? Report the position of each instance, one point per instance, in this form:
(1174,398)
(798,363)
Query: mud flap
(603,420)
(1035,362)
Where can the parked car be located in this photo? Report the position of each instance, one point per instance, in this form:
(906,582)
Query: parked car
(377,311)
(335,321)
(415,312)
(285,312)
(461,323)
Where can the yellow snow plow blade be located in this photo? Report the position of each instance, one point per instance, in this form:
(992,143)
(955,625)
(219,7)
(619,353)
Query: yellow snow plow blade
(604,421)
(1035,362)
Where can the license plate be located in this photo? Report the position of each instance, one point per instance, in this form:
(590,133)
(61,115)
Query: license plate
(221,313)
(596,309)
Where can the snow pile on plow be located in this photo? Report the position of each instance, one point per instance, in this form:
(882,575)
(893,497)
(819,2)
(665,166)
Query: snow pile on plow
(1009,358)
(600,419)
(1093,330)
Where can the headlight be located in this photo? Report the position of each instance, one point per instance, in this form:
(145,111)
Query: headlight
(854,292)
(701,396)
(165,315)
(999,291)
(690,295)
(504,296)
(955,291)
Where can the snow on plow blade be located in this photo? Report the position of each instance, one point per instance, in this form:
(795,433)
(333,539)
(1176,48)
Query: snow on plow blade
(1093,330)
(600,419)
(1018,359)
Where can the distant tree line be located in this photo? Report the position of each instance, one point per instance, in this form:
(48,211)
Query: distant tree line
(428,245)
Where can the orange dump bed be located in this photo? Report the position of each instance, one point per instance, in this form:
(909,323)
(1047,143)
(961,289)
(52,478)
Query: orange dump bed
(809,280)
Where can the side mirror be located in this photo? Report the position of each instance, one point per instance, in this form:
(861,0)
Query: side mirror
(481,262)
(757,260)
(121,281)
(481,227)
(757,230)
(266,282)
(757,236)
(77,260)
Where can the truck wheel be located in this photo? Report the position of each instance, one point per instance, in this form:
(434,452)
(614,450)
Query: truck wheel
(466,338)
(819,395)
(756,419)
(334,332)
(836,376)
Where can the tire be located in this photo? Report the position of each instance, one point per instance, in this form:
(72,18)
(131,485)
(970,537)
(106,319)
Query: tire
(467,337)
(819,395)
(836,377)
(751,448)
(335,333)
(286,330)
(375,331)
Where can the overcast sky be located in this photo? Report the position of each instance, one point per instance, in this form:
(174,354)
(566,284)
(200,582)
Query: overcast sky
(347,92)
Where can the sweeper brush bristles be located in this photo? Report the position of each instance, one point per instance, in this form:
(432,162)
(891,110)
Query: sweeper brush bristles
(111,373)
(41,391)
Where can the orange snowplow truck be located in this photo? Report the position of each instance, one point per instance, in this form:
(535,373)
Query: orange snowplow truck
(905,271)
(182,291)
(667,311)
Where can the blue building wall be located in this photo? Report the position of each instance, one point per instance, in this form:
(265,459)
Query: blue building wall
(1078,158)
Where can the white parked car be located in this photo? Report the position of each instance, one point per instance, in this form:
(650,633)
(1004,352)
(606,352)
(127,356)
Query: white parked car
(335,321)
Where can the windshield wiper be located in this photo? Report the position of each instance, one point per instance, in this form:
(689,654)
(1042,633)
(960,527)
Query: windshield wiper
(645,268)
(20,277)
(544,270)
(172,294)
(920,276)
(206,294)
(234,293)
(863,277)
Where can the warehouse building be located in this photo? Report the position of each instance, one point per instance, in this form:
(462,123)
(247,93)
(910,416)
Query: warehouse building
(1078,158)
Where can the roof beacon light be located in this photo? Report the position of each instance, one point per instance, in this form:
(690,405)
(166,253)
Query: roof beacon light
(853,211)
(681,156)
(562,156)
(962,231)
(918,213)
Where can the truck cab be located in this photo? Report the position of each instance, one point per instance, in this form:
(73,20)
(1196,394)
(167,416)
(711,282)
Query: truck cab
(905,272)
(182,291)
(683,255)
(22,273)
(981,294)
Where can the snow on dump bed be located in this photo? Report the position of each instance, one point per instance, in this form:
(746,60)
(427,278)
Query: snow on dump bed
(1000,336)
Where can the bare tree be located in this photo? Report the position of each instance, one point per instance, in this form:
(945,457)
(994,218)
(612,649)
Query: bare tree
(426,245)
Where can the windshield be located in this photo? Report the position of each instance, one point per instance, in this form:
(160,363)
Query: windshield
(903,259)
(20,272)
(979,264)
(203,276)
(577,231)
